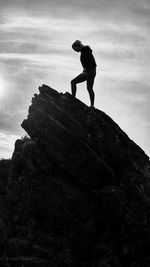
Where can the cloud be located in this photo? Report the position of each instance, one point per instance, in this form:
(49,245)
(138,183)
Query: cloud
(118,42)
(7,144)
(9,118)
(14,20)
(35,48)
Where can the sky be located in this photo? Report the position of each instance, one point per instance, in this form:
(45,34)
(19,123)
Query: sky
(35,49)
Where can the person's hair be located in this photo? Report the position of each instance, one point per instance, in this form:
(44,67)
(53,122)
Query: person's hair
(76,43)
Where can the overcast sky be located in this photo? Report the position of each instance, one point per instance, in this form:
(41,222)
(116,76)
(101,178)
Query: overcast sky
(35,48)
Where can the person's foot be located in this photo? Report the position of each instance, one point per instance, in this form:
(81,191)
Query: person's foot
(92,107)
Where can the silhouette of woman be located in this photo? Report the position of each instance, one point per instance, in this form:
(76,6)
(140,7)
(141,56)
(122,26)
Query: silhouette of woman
(89,70)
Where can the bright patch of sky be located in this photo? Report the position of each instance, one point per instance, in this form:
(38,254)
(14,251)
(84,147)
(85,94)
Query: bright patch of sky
(35,48)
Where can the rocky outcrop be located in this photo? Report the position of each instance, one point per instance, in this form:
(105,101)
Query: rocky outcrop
(77,190)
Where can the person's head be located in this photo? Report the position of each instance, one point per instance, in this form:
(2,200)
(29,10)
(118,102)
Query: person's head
(77,46)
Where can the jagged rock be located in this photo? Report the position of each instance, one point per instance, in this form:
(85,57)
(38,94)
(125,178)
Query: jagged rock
(17,247)
(5,167)
(40,252)
(78,188)
(60,134)
(78,138)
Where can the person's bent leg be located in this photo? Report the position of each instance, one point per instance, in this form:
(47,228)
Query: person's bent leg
(79,79)
(90,83)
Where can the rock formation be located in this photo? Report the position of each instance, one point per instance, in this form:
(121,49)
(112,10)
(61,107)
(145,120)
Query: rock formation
(76,192)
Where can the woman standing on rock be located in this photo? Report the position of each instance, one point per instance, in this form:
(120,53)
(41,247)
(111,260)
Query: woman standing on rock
(89,70)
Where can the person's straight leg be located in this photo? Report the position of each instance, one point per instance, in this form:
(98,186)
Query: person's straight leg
(79,79)
(90,82)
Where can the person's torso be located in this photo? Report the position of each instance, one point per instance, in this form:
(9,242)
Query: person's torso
(87,59)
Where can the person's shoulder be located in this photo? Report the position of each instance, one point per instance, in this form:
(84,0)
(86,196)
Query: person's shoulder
(87,49)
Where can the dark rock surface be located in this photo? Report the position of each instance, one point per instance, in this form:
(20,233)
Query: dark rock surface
(76,193)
